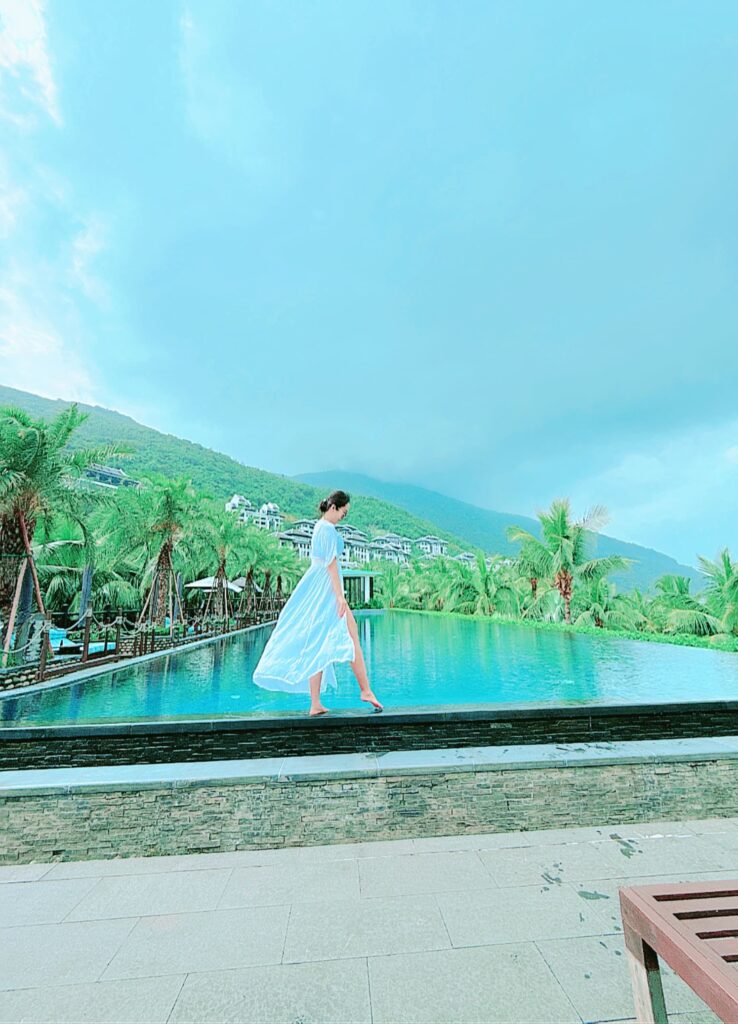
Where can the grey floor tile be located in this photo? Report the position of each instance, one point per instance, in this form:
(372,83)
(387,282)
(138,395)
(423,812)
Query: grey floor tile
(23,872)
(379,848)
(332,992)
(594,974)
(710,826)
(340,851)
(508,983)
(557,836)
(651,829)
(605,892)
(289,882)
(215,940)
(519,914)
(327,931)
(727,842)
(552,864)
(422,873)
(157,865)
(704,1016)
(23,903)
(470,841)
(59,954)
(510,840)
(138,895)
(670,854)
(143,1001)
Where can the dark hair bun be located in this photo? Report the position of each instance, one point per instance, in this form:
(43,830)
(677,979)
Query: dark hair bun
(337,498)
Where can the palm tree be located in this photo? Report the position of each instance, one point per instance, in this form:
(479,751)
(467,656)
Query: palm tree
(644,611)
(682,611)
(219,541)
(533,564)
(721,591)
(481,589)
(37,473)
(72,575)
(598,603)
(560,555)
(428,584)
(390,583)
(153,524)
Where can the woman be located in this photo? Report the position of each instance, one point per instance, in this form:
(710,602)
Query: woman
(316,626)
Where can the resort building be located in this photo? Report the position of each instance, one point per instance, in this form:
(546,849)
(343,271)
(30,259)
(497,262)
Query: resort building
(298,538)
(467,558)
(347,530)
(431,545)
(239,504)
(303,525)
(403,543)
(356,547)
(268,517)
(380,549)
(108,476)
(356,550)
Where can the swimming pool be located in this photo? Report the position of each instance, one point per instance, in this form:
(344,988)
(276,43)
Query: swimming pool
(414,660)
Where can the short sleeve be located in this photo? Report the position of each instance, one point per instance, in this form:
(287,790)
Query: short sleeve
(325,544)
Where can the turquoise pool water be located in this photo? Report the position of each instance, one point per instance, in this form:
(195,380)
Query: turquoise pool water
(414,661)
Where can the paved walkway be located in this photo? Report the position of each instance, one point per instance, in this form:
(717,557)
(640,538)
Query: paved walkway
(507,927)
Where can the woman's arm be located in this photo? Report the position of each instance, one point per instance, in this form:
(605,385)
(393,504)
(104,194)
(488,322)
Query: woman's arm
(337,588)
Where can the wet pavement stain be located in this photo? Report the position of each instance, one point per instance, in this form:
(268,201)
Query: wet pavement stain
(554,879)
(628,847)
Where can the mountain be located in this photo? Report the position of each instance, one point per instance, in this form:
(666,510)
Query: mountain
(485,529)
(216,474)
(385,507)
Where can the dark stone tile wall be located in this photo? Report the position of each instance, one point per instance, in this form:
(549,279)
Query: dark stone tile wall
(273,814)
(71,746)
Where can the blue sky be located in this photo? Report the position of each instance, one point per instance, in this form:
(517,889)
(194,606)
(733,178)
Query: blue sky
(489,248)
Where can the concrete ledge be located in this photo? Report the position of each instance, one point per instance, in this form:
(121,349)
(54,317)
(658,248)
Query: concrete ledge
(135,777)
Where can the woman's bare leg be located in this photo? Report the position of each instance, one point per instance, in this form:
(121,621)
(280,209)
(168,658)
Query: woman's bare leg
(359,665)
(316,707)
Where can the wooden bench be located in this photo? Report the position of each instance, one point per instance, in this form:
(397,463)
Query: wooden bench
(693,927)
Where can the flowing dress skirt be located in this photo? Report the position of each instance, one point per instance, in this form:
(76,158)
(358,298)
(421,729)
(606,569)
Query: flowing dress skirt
(308,638)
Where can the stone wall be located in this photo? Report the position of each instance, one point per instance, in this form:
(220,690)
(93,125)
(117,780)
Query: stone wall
(16,678)
(297,735)
(188,818)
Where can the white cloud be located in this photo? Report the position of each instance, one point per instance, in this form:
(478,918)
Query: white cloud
(24,57)
(86,246)
(35,357)
(681,486)
(224,109)
(12,200)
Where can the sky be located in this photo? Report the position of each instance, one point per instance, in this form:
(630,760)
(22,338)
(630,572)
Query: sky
(489,248)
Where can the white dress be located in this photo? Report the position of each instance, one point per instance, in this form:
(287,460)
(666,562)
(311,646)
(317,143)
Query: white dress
(310,635)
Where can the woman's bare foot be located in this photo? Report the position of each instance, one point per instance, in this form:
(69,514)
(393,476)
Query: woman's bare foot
(318,709)
(369,697)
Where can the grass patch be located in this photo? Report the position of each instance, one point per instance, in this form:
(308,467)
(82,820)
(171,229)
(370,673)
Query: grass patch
(674,639)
